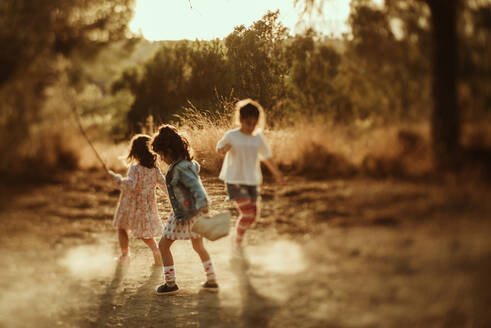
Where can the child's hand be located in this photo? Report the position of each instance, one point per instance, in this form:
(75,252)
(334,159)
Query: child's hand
(225,149)
(274,169)
(204,210)
(115,176)
(279,178)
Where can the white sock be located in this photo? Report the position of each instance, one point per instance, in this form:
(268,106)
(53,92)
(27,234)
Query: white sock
(170,274)
(210,272)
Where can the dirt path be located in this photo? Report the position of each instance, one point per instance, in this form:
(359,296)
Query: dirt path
(324,254)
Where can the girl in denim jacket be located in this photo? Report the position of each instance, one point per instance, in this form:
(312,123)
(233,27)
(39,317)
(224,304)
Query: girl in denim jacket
(188,199)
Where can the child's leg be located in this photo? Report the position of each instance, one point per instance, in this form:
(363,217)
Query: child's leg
(123,241)
(247,216)
(169,271)
(155,250)
(205,259)
(164,246)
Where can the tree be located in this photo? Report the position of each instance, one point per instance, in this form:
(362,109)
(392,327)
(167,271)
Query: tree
(445,120)
(475,59)
(313,67)
(250,62)
(33,28)
(209,72)
(37,38)
(179,73)
(160,89)
(256,59)
(389,50)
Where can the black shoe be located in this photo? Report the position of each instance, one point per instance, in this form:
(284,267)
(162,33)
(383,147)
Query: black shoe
(211,287)
(166,289)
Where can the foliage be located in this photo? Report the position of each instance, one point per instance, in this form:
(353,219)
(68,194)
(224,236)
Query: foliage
(177,73)
(256,57)
(249,63)
(390,52)
(475,54)
(449,24)
(381,71)
(36,37)
(313,73)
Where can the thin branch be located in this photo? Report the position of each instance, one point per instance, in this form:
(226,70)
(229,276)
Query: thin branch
(73,108)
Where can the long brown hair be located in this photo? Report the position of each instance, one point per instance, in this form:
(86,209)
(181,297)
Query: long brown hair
(171,144)
(140,151)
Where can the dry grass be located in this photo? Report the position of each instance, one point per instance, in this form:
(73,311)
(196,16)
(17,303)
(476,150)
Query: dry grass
(320,148)
(112,154)
(308,147)
(203,130)
(315,148)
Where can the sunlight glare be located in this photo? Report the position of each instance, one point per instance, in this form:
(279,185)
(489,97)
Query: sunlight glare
(282,256)
(88,262)
(206,20)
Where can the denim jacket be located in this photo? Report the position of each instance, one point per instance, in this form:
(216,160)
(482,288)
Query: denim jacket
(186,192)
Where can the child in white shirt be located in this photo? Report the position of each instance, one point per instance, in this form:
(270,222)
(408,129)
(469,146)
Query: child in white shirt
(244,148)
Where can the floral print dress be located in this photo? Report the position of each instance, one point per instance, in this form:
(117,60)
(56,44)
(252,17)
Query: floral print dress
(137,208)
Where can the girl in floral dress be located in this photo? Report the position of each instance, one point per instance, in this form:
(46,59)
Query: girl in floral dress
(136,211)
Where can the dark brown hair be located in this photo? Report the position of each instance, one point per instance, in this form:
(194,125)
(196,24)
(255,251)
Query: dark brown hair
(140,151)
(171,144)
(249,108)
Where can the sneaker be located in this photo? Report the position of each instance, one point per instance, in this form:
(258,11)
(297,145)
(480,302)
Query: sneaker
(211,287)
(166,289)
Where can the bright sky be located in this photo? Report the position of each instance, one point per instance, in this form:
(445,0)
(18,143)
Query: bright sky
(210,19)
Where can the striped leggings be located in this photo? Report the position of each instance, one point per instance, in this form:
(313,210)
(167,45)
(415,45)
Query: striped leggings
(248,212)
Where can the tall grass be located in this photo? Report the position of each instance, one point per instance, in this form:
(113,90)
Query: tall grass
(301,145)
(318,147)
(313,147)
(309,147)
(203,130)
(304,146)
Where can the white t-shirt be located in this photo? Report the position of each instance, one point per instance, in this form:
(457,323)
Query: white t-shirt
(241,163)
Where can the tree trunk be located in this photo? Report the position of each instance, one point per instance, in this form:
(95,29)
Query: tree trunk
(445,129)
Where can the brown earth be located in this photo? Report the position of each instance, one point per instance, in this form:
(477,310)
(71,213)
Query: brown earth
(337,253)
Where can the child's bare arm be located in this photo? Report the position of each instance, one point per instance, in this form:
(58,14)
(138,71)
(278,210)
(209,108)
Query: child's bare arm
(125,183)
(224,149)
(274,169)
(224,144)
